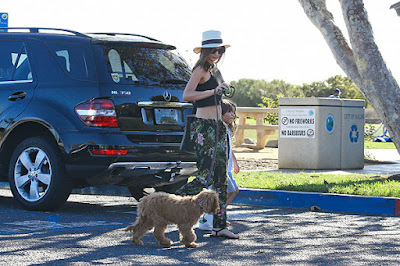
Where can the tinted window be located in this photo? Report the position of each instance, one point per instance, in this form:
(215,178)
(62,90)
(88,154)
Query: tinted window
(144,65)
(14,62)
(75,59)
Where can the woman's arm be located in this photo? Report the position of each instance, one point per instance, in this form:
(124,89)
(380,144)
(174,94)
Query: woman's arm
(190,93)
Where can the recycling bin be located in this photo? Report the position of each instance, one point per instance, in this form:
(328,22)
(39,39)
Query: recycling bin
(352,146)
(321,133)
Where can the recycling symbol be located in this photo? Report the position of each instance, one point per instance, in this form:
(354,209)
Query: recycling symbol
(354,134)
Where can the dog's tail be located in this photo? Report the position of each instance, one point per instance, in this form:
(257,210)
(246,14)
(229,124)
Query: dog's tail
(130,228)
(139,221)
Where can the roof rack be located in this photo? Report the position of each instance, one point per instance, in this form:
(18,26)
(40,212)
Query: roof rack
(36,30)
(125,34)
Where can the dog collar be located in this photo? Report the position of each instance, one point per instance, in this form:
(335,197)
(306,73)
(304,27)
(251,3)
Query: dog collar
(200,203)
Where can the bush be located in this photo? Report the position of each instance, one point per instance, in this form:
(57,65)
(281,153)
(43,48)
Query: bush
(272,118)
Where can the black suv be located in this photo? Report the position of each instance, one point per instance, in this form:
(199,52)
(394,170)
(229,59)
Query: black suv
(80,110)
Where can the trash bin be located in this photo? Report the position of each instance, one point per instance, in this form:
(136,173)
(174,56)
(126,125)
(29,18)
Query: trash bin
(314,133)
(352,148)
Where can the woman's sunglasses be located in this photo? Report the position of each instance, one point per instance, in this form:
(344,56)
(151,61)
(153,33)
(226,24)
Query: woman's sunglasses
(220,50)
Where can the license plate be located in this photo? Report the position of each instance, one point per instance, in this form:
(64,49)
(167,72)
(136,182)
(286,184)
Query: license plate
(166,116)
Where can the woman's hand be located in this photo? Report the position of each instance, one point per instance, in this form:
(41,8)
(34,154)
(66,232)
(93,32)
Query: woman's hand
(221,87)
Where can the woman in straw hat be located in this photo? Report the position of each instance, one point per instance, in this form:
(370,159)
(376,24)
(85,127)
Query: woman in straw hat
(205,89)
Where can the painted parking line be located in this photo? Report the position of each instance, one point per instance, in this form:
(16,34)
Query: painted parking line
(27,223)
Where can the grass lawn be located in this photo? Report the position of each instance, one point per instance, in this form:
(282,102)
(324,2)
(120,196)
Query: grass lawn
(368,144)
(353,184)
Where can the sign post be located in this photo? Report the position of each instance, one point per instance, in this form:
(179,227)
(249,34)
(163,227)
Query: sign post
(3,22)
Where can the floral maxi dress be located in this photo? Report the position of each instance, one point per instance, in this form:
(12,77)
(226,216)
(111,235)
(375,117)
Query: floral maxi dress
(203,135)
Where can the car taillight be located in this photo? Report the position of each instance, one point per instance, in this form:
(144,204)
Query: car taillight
(97,113)
(108,152)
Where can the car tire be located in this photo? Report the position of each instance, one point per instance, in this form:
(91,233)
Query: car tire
(173,187)
(37,175)
(137,192)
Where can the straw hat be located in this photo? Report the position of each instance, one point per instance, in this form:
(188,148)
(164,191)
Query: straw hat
(211,39)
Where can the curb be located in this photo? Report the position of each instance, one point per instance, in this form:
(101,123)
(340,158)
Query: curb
(323,201)
(288,199)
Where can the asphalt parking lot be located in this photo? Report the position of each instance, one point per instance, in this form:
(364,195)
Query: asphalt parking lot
(89,230)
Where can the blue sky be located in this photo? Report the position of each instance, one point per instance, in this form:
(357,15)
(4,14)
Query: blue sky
(271,39)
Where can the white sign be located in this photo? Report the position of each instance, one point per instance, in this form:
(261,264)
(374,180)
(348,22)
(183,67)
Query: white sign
(297,123)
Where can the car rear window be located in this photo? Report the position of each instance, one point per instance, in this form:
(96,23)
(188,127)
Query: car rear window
(14,63)
(75,59)
(144,65)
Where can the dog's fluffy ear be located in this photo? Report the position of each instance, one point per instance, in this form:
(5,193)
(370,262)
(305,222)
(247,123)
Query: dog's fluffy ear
(210,202)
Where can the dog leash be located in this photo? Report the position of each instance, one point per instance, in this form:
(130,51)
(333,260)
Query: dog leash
(229,94)
(216,141)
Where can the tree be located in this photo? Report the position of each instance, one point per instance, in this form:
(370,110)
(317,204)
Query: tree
(347,87)
(325,88)
(250,92)
(247,92)
(361,60)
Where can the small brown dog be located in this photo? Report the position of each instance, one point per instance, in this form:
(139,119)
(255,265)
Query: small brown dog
(159,208)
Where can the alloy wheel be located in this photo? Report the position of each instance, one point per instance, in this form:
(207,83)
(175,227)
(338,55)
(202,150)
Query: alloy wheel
(32,174)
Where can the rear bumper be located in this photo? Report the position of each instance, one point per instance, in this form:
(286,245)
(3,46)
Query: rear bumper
(128,168)
(146,174)
(146,164)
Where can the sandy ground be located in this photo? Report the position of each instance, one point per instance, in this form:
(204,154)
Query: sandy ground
(249,159)
(267,158)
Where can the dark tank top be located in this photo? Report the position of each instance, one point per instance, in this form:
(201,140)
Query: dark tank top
(210,84)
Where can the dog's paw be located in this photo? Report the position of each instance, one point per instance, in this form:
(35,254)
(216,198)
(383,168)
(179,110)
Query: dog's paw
(191,245)
(166,242)
(137,242)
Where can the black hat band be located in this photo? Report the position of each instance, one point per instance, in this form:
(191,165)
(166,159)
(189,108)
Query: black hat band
(219,41)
